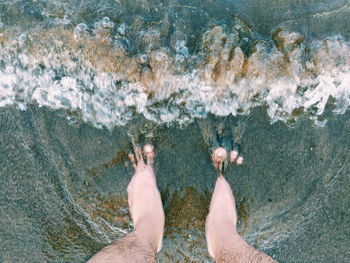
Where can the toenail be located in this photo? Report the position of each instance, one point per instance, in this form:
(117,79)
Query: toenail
(221,153)
(148,148)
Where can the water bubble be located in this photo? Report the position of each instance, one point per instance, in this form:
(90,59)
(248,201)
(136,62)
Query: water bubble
(178,40)
(97,25)
(80,30)
(179,58)
(179,44)
(121,29)
(22,39)
(184,51)
(106,22)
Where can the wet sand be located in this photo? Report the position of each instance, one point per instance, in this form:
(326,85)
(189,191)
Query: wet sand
(63,187)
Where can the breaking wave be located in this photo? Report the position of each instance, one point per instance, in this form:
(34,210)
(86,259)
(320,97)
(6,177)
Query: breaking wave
(106,70)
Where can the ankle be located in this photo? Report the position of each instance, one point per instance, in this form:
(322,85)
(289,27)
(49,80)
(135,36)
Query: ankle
(231,246)
(145,240)
(151,233)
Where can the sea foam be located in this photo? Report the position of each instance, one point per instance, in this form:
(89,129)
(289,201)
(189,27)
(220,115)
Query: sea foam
(110,72)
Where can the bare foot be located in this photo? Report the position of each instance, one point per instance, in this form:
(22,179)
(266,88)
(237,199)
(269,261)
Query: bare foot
(147,213)
(223,133)
(144,198)
(224,242)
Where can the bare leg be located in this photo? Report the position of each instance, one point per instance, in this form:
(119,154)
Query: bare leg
(225,245)
(147,214)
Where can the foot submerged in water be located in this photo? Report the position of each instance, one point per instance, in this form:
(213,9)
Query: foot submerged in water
(219,137)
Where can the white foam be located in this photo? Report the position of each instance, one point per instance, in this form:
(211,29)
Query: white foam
(61,79)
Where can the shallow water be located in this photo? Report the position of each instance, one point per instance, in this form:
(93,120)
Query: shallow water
(80,79)
(64,188)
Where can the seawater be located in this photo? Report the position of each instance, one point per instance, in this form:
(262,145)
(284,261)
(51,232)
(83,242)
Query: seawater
(173,62)
(78,77)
